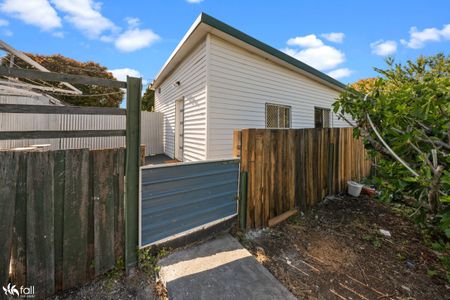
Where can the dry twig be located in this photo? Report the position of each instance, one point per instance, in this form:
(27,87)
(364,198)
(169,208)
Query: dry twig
(353,291)
(336,294)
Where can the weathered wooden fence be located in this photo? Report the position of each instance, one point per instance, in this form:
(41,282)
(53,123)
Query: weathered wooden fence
(295,168)
(61,217)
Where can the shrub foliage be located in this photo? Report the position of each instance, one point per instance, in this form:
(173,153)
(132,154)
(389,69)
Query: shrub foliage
(409,105)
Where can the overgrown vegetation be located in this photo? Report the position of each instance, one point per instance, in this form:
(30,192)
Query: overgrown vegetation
(410,107)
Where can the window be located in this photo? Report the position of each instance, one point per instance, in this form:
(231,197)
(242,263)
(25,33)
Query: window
(278,116)
(321,117)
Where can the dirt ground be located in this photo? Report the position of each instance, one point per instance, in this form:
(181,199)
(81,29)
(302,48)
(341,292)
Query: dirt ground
(338,252)
(138,286)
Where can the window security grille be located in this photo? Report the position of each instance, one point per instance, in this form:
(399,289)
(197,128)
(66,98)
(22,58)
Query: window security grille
(278,116)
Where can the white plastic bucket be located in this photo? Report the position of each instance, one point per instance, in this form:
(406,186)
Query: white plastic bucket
(354,188)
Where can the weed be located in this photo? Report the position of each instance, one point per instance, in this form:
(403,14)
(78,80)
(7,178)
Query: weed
(148,260)
(431,273)
(401,256)
(367,237)
(115,274)
(376,243)
(117,271)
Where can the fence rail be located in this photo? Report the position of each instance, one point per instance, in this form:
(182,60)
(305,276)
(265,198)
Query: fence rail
(296,168)
(61,217)
(72,127)
(50,109)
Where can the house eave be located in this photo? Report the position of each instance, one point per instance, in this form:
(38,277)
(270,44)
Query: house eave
(206,24)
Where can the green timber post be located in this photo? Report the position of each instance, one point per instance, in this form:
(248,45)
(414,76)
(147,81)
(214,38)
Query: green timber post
(243,201)
(133,141)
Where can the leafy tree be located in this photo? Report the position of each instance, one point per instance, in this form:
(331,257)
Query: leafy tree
(148,99)
(106,97)
(410,107)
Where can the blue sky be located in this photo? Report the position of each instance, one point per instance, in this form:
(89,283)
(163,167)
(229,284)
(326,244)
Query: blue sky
(136,37)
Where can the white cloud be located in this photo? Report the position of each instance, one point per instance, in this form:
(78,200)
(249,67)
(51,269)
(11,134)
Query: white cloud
(34,12)
(194,1)
(85,15)
(3,22)
(307,41)
(418,39)
(121,74)
(335,37)
(340,73)
(321,58)
(135,39)
(384,48)
(133,22)
(312,51)
(445,32)
(7,32)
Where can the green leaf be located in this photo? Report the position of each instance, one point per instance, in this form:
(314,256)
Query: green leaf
(411,179)
(445,199)
(447,232)
(431,273)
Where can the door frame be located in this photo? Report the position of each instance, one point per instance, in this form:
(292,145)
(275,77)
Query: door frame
(179,129)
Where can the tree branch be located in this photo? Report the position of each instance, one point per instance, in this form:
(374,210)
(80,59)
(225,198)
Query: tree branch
(438,144)
(346,120)
(433,195)
(423,155)
(365,134)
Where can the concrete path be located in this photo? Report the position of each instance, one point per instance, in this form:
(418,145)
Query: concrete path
(219,269)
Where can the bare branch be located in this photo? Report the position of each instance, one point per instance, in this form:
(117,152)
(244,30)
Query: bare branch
(427,139)
(346,120)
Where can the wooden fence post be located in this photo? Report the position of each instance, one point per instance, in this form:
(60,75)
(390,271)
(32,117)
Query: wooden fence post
(133,141)
(330,168)
(237,143)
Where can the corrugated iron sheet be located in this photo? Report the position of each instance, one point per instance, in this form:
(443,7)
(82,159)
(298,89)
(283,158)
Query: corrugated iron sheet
(151,130)
(181,197)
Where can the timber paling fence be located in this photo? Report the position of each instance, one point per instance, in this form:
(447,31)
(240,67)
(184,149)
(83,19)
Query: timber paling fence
(289,169)
(67,216)
(62,217)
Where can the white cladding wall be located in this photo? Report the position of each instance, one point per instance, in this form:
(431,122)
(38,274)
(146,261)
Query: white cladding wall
(192,76)
(239,85)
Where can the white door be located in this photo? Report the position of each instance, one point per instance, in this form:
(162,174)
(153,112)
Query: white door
(179,129)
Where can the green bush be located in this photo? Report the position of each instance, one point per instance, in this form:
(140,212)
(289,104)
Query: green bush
(410,107)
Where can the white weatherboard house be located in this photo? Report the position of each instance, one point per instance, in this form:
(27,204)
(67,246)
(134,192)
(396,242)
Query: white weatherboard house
(219,79)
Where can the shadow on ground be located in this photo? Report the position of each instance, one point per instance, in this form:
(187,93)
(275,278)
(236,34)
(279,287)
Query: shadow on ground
(219,269)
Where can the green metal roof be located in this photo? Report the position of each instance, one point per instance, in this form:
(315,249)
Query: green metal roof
(219,25)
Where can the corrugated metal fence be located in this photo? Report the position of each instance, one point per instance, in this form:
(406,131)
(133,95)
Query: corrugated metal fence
(151,130)
(181,198)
